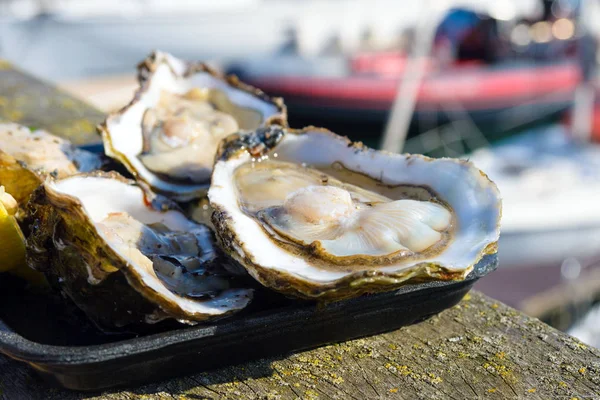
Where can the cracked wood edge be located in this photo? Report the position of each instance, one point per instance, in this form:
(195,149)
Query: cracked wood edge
(477,349)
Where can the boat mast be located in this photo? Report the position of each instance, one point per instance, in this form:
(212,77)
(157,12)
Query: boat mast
(401,113)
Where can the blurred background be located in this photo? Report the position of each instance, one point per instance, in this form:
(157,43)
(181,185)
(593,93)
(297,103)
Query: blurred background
(509,84)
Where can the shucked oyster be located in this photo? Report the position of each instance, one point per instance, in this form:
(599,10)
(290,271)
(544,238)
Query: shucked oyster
(168,135)
(125,256)
(27,157)
(312,215)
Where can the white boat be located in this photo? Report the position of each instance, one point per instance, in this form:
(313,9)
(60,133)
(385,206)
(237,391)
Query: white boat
(550,185)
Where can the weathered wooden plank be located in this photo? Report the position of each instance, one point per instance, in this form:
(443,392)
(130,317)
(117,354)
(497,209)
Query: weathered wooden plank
(34,103)
(478,349)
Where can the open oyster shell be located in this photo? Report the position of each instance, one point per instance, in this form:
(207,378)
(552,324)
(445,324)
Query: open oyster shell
(312,215)
(124,255)
(28,157)
(168,135)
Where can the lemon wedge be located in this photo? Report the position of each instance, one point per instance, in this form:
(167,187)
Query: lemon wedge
(12,242)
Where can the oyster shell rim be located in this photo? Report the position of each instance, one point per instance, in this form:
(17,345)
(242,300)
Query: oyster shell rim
(35,176)
(145,73)
(351,284)
(163,306)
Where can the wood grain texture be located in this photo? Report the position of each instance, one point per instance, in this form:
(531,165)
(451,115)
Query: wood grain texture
(477,349)
(36,104)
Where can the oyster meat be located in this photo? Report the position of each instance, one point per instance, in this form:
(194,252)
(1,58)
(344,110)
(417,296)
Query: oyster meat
(167,136)
(125,255)
(27,157)
(311,214)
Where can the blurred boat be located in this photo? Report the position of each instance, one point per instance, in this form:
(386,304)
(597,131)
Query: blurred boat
(473,63)
(367,88)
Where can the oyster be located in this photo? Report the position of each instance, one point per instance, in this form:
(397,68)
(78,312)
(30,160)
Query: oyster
(312,215)
(168,135)
(125,255)
(27,157)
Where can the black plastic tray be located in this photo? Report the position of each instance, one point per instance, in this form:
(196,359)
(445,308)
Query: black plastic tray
(31,328)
